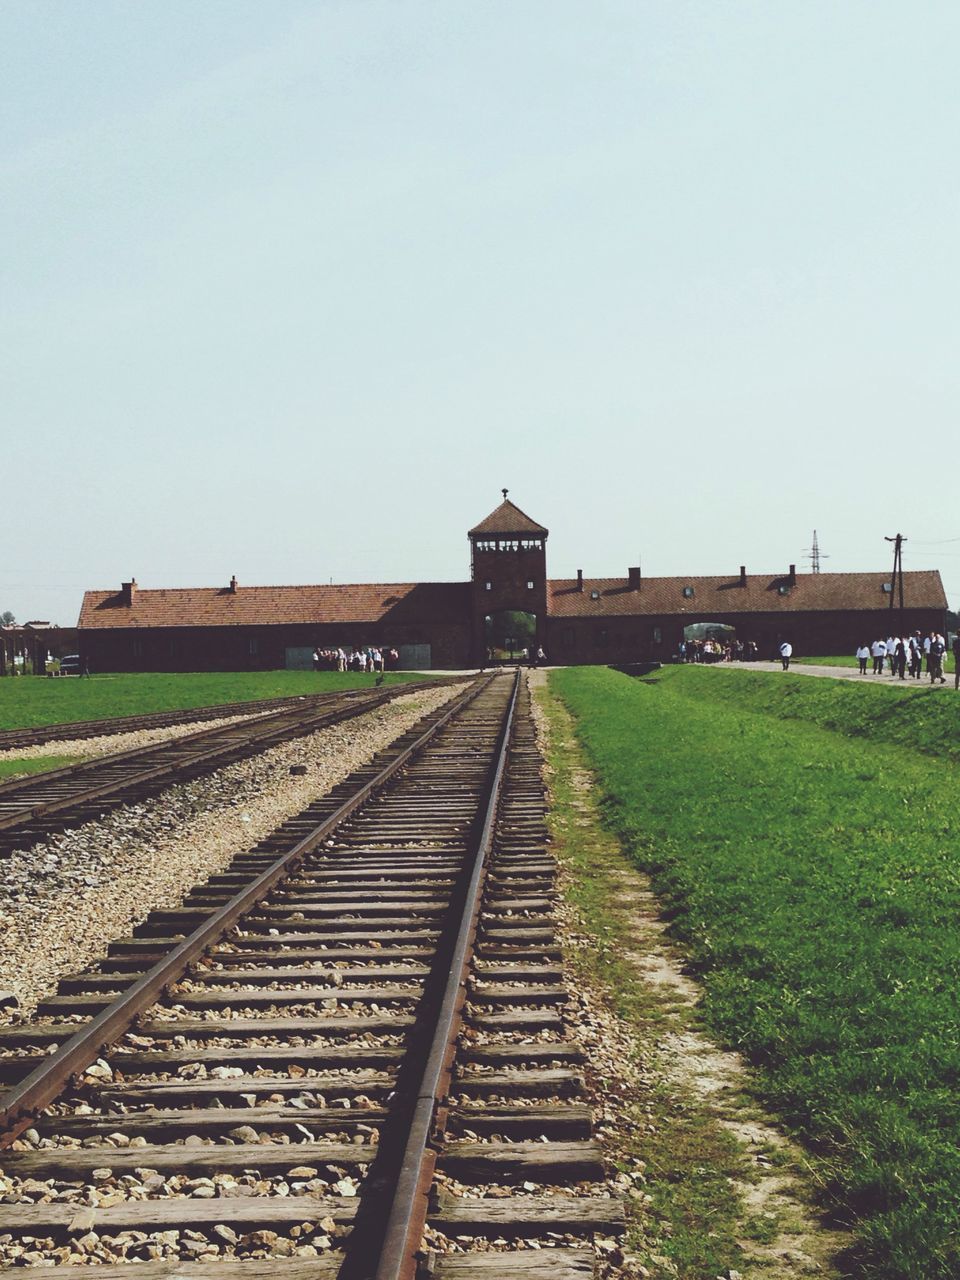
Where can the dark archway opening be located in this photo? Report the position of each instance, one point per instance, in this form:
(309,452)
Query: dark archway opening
(509,634)
(710,642)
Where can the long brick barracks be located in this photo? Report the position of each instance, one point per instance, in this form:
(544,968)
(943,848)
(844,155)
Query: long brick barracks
(444,624)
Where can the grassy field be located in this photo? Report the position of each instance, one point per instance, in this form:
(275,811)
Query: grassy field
(849,660)
(30,701)
(837,660)
(815,880)
(35,764)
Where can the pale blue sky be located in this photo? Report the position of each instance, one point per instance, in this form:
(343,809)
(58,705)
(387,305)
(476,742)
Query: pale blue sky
(289,290)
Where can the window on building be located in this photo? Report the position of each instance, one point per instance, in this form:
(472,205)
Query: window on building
(529,584)
(488,586)
(594,595)
(688,592)
(657,635)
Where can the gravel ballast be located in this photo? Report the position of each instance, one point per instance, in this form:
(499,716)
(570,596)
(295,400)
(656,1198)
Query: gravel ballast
(90,748)
(62,902)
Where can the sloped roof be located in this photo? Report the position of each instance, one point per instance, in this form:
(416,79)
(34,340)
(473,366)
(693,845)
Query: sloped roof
(508,518)
(413,602)
(834,592)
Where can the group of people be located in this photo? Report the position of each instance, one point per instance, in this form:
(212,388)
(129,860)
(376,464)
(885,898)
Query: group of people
(363,659)
(711,650)
(906,655)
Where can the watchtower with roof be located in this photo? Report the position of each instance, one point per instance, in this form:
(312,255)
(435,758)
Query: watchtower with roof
(508,570)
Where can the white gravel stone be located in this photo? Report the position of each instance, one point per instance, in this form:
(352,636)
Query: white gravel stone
(89,748)
(63,902)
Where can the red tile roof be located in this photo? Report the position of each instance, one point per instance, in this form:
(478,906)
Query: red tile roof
(405,602)
(450,602)
(508,518)
(835,592)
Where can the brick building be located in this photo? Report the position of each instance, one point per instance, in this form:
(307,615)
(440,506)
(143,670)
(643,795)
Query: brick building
(444,624)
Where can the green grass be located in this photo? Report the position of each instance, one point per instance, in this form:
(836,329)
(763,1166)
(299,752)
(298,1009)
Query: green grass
(35,764)
(837,660)
(911,714)
(29,701)
(849,660)
(815,881)
(691,1162)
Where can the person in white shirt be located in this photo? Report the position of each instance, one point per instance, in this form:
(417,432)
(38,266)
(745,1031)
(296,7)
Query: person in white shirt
(863,654)
(879,651)
(786,653)
(891,654)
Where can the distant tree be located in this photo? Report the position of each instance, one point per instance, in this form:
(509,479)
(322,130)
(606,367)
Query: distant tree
(7,618)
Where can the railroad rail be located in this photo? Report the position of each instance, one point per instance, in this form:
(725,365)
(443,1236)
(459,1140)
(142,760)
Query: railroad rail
(35,806)
(80,729)
(345,1055)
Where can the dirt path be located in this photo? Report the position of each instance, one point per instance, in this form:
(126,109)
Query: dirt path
(637,998)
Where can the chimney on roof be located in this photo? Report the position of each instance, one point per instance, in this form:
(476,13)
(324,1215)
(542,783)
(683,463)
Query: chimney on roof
(743,575)
(633,574)
(792,575)
(579,579)
(233,585)
(128,591)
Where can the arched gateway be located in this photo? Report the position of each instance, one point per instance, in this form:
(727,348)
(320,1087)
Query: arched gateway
(508,573)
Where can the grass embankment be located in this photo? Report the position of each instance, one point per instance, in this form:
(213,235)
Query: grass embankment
(31,701)
(816,884)
(695,1216)
(911,714)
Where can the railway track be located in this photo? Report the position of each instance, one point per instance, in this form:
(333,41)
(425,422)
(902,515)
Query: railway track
(343,1056)
(11,739)
(34,807)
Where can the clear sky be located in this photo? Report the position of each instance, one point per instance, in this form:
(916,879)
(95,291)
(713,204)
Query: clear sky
(290,290)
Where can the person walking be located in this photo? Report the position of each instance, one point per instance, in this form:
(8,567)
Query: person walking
(935,659)
(916,655)
(879,651)
(786,653)
(900,658)
(863,656)
(956,660)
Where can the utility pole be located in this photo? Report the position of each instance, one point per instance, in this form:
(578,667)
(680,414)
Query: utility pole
(897,580)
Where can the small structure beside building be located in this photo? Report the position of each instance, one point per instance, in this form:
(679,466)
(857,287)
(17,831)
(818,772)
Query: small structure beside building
(576,620)
(29,646)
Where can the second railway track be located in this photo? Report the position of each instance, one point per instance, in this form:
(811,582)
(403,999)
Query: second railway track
(78,730)
(344,1056)
(34,807)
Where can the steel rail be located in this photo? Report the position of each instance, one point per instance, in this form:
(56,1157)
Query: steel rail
(77,730)
(407,1214)
(262,734)
(43,1085)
